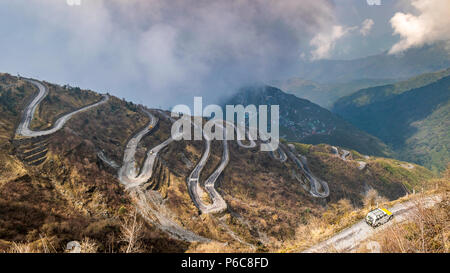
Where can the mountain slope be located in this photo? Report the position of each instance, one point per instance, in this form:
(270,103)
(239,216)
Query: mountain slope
(75,192)
(303,121)
(384,92)
(326,94)
(383,66)
(70,196)
(414,122)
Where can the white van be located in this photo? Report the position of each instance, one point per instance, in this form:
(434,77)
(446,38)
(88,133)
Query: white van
(378,217)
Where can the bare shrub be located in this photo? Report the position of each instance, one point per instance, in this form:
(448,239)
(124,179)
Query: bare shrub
(373,199)
(88,246)
(336,211)
(131,233)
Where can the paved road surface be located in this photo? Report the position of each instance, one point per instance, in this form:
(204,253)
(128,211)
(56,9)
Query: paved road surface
(149,203)
(316,184)
(279,155)
(345,153)
(218,203)
(349,239)
(193,179)
(361,164)
(24,126)
(128,174)
(240,130)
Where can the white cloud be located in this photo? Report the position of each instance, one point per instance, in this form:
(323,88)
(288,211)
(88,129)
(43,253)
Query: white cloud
(164,51)
(366,27)
(324,42)
(430,25)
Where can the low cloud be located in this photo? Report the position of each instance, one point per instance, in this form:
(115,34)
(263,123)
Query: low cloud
(429,25)
(159,52)
(366,27)
(325,42)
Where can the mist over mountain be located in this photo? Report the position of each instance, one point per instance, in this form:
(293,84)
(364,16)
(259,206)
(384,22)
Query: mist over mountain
(159,52)
(410,63)
(326,94)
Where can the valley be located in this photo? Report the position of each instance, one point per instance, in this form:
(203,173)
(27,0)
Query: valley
(306,122)
(191,195)
(410,116)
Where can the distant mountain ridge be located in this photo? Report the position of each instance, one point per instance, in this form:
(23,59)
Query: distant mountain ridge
(304,121)
(383,92)
(383,66)
(415,122)
(326,94)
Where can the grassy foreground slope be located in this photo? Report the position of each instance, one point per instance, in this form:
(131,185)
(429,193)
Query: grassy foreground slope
(424,228)
(427,230)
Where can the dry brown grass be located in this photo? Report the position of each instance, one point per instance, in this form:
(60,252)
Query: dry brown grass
(341,215)
(23,248)
(373,199)
(336,217)
(428,229)
(427,232)
(88,246)
(212,247)
(43,245)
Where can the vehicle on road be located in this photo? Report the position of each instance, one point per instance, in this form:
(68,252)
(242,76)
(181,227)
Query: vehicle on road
(378,217)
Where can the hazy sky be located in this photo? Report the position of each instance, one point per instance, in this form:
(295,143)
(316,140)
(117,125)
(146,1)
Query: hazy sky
(161,52)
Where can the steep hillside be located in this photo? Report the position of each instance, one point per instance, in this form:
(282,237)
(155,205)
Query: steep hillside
(69,196)
(383,66)
(303,121)
(414,122)
(74,190)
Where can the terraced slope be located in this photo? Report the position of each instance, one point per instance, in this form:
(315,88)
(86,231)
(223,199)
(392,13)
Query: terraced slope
(77,191)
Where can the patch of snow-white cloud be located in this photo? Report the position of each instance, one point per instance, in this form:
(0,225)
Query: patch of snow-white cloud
(428,25)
